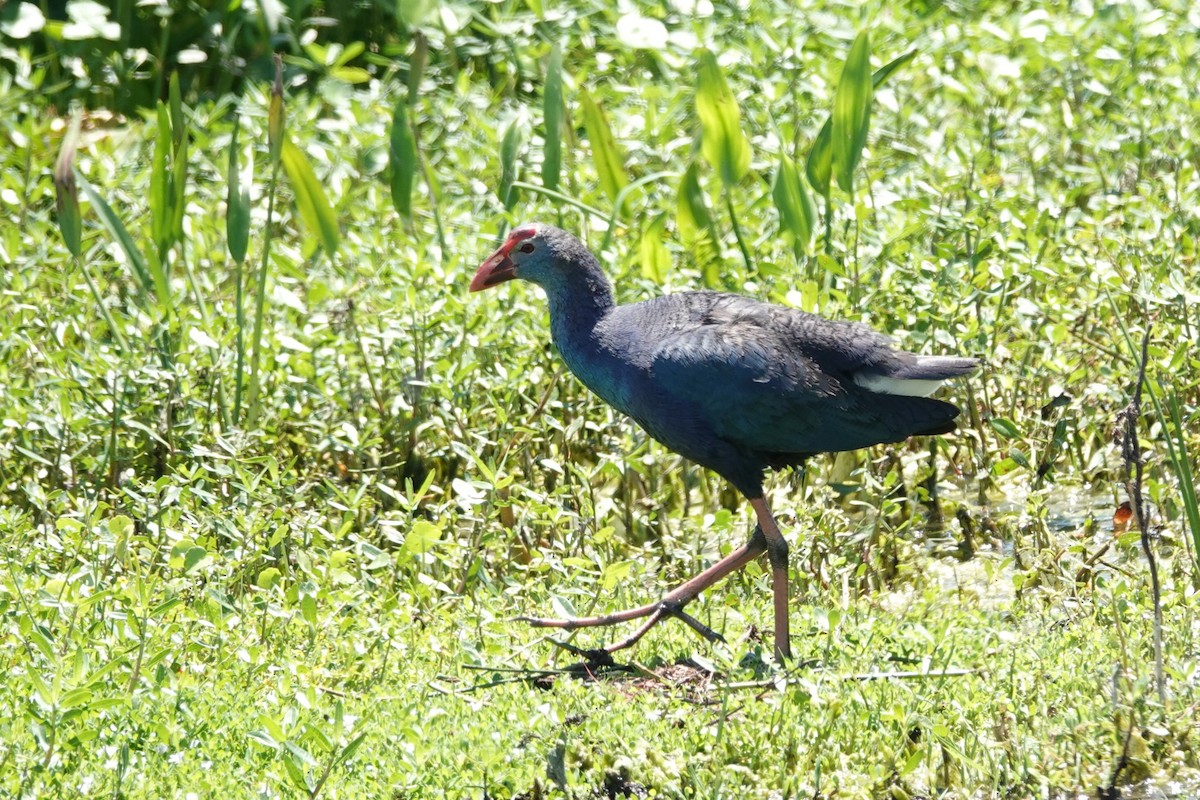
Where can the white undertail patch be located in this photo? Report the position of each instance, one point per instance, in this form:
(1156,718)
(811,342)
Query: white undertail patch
(882,384)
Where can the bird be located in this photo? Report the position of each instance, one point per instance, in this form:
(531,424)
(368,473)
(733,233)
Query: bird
(734,384)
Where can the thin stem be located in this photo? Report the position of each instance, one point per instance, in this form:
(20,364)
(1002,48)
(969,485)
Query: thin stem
(737,232)
(261,300)
(104,312)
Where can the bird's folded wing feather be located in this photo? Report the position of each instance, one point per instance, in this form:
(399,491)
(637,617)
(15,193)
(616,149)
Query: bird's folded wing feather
(763,382)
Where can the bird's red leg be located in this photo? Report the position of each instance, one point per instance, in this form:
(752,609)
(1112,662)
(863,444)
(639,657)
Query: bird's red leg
(672,604)
(777,554)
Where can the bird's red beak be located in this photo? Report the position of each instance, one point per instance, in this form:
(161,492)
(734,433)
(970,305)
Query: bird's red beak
(497,269)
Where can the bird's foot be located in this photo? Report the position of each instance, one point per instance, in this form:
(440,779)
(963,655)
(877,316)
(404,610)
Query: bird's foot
(656,613)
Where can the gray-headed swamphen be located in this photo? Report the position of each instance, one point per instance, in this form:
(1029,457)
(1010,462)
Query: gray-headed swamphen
(732,383)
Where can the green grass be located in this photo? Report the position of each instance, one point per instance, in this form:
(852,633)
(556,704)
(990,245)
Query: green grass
(318,602)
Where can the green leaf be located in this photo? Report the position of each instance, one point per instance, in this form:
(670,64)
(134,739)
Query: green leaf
(147,280)
(422,536)
(295,773)
(696,227)
(610,166)
(308,608)
(310,197)
(193,557)
(852,111)
(268,577)
(819,167)
(885,72)
(413,12)
(1005,427)
(178,189)
(66,191)
(237,202)
(354,75)
(402,157)
(552,99)
(797,216)
(351,748)
(655,258)
(722,141)
(511,142)
(178,123)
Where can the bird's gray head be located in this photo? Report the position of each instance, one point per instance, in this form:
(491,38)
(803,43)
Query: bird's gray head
(543,254)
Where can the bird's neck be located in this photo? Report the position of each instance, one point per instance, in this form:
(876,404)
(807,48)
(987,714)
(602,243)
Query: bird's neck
(578,305)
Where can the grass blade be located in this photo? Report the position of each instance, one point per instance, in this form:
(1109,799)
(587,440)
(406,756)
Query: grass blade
(724,145)
(178,123)
(852,111)
(147,280)
(610,166)
(552,98)
(402,157)
(797,215)
(314,206)
(1182,462)
(276,115)
(237,201)
(511,142)
(161,195)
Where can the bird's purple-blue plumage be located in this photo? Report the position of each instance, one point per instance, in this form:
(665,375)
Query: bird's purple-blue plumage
(735,384)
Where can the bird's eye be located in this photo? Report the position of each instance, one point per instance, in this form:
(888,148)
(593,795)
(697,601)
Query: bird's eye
(527,248)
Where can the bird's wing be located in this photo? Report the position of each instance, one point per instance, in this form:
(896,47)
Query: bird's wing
(774,381)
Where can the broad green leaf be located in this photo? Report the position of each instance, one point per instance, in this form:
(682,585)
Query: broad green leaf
(819,167)
(797,216)
(610,166)
(722,141)
(268,577)
(402,157)
(310,198)
(852,111)
(511,142)
(193,557)
(655,258)
(308,608)
(66,191)
(422,536)
(552,99)
(161,196)
(237,202)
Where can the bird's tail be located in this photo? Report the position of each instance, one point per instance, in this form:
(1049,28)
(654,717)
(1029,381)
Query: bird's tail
(912,375)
